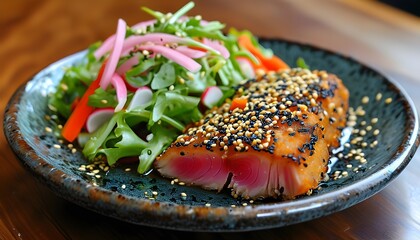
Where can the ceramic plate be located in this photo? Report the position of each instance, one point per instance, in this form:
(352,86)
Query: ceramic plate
(153,201)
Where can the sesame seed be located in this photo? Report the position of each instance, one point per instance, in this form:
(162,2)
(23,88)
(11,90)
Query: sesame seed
(190,76)
(388,100)
(352,117)
(351,123)
(52,108)
(378,96)
(365,99)
(376,132)
(183,196)
(57,146)
(374,120)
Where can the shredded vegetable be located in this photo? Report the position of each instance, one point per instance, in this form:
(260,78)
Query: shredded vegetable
(156,77)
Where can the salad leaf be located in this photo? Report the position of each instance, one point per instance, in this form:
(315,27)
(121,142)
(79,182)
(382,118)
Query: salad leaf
(161,139)
(128,144)
(159,108)
(165,77)
(117,139)
(103,99)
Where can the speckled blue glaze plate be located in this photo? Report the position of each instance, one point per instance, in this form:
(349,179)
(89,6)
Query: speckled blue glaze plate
(153,201)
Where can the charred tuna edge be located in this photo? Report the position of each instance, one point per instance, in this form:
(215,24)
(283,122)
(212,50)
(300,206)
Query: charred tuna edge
(277,145)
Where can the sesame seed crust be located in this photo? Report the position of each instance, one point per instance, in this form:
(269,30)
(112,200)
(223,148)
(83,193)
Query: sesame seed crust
(274,100)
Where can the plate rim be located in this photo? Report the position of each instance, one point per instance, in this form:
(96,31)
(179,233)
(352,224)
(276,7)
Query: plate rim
(225,218)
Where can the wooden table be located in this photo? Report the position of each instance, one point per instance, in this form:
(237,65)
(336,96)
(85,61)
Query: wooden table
(34,33)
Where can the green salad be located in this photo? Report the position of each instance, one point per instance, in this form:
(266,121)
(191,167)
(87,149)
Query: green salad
(135,92)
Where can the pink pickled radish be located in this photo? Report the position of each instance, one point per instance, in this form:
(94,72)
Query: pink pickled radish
(97,118)
(121,89)
(107,44)
(127,65)
(211,96)
(115,54)
(189,52)
(142,96)
(156,38)
(161,39)
(105,47)
(173,55)
(217,46)
(143,25)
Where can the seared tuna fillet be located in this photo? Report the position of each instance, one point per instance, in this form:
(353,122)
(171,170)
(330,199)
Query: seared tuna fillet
(277,145)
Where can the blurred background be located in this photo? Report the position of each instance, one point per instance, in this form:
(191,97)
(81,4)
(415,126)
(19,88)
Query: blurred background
(411,6)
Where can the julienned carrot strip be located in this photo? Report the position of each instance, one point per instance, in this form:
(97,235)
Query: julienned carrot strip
(81,112)
(258,66)
(274,63)
(270,63)
(238,103)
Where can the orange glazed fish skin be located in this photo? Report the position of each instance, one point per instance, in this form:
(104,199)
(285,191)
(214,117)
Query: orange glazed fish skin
(278,146)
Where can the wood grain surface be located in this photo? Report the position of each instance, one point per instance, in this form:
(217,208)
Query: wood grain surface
(34,33)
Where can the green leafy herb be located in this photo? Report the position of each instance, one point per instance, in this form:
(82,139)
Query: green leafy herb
(165,77)
(300,62)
